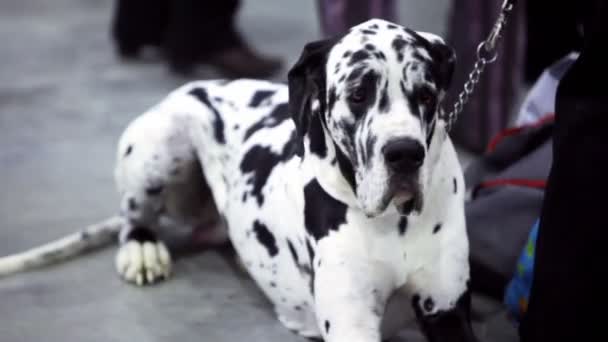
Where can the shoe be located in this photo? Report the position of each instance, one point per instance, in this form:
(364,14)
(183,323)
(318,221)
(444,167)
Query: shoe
(242,62)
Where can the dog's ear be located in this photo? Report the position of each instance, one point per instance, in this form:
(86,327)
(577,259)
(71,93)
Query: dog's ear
(306,81)
(442,54)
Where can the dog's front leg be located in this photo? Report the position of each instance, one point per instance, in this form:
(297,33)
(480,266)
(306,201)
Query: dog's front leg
(350,297)
(452,325)
(142,258)
(441,297)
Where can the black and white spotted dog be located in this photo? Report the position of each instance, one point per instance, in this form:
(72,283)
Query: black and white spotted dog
(340,193)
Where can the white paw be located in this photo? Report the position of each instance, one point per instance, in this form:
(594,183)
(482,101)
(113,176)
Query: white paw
(143,263)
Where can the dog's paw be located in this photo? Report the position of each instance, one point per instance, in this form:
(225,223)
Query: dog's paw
(143,262)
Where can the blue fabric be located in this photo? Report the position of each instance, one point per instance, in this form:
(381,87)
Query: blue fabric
(518,290)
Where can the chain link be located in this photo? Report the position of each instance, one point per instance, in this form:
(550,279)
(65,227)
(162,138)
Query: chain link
(486,54)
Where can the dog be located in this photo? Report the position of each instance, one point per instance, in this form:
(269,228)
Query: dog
(340,192)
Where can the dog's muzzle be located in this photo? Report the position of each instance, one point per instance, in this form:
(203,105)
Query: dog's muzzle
(404,157)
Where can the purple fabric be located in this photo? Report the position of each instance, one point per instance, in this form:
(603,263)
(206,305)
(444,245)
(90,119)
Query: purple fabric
(489,109)
(337,16)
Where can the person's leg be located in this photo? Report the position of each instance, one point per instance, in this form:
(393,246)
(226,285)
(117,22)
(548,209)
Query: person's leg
(568,296)
(552,32)
(197,28)
(136,23)
(337,16)
(205,31)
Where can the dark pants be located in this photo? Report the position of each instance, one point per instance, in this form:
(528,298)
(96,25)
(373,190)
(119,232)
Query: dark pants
(187,30)
(569,295)
(552,33)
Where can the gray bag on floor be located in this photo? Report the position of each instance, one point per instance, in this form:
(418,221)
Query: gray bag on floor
(506,189)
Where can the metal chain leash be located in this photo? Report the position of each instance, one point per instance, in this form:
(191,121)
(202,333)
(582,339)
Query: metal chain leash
(486,54)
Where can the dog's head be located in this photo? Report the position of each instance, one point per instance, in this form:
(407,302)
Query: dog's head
(369,100)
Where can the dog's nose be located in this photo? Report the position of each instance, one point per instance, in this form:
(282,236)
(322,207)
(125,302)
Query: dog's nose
(403,155)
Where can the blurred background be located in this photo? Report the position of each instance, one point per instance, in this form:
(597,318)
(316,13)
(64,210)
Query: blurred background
(68,88)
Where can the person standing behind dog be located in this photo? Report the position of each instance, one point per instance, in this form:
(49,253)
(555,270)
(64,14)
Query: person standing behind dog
(189,32)
(337,16)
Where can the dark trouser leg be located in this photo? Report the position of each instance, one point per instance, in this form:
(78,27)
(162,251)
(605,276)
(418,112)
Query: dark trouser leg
(136,23)
(568,298)
(198,29)
(552,32)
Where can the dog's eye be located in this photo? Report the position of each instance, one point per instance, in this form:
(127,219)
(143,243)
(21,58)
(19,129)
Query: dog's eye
(426,98)
(357,96)
(154,190)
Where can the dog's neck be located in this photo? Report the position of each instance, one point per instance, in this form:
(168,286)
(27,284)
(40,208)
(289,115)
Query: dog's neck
(327,172)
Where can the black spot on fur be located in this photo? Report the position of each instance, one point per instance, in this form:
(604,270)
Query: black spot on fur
(355,74)
(297,308)
(274,119)
(368,32)
(380,55)
(331,99)
(236,127)
(316,136)
(430,133)
(266,238)
(402,225)
(154,190)
(141,235)
(273,284)
(437,228)
(322,212)
(259,161)
(368,84)
(370,144)
(129,150)
(358,56)
(403,89)
(429,304)
(311,271)
(418,57)
(427,114)
(132,204)
(293,252)
(346,167)
(370,47)
(415,204)
(374,26)
(342,78)
(384,106)
(391,26)
(218,123)
(455,185)
(398,45)
(259,97)
(412,102)
(346,54)
(337,68)
(327,326)
(311,251)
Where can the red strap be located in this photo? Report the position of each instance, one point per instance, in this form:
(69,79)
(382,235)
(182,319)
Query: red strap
(498,138)
(528,183)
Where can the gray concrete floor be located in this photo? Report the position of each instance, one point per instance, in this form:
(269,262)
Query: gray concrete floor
(64,99)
